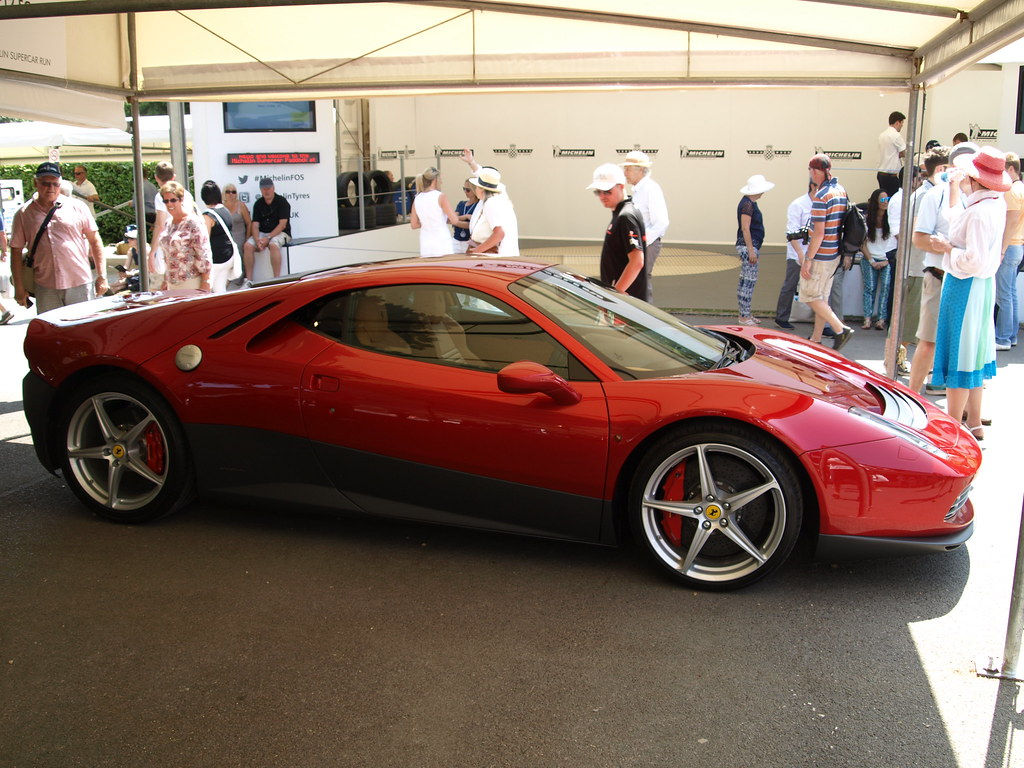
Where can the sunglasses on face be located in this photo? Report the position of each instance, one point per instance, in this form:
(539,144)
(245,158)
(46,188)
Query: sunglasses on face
(230,192)
(883,199)
(467,189)
(600,192)
(50,184)
(169,200)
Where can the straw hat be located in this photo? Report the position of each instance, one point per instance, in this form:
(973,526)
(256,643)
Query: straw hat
(488,178)
(756,185)
(636,157)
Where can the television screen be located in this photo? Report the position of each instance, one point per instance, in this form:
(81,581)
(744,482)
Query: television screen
(269,116)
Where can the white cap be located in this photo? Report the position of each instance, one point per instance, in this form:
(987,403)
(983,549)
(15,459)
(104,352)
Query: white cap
(607,176)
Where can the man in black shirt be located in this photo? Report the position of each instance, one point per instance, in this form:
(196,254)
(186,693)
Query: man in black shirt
(271,228)
(623,255)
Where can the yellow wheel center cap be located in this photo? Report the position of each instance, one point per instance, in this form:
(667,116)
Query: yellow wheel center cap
(118,451)
(713,512)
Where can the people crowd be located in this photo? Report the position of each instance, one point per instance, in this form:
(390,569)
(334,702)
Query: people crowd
(960,305)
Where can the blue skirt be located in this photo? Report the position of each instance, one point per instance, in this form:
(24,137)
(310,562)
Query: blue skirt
(965,341)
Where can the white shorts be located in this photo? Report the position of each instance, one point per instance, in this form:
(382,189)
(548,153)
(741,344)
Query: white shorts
(278,239)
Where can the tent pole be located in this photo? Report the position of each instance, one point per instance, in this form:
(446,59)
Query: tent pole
(140,202)
(894,339)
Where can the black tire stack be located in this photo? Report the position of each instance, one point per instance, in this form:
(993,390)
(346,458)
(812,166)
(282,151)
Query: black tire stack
(377,203)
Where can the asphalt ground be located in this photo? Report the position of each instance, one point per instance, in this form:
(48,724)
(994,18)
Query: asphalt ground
(226,636)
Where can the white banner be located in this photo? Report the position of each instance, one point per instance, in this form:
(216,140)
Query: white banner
(38,46)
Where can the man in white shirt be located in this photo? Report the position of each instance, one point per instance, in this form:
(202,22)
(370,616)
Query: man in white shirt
(892,149)
(649,199)
(798,223)
(84,189)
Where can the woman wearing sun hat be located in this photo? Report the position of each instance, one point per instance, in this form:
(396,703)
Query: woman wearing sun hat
(494,227)
(965,354)
(749,237)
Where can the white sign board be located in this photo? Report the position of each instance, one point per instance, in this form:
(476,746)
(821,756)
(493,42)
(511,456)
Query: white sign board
(230,146)
(38,46)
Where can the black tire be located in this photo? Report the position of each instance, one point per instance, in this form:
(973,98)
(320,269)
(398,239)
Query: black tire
(380,187)
(348,218)
(385,214)
(704,527)
(124,453)
(348,189)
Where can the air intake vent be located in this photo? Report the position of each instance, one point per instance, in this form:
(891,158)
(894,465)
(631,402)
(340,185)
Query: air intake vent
(242,321)
(958,504)
(901,407)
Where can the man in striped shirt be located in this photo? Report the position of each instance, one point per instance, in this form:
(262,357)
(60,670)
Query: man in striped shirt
(822,256)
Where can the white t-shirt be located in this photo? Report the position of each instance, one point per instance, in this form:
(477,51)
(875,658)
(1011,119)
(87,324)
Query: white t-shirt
(649,199)
(798,215)
(890,144)
(86,189)
(498,211)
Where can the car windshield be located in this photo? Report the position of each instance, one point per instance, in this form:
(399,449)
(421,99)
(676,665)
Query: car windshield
(635,339)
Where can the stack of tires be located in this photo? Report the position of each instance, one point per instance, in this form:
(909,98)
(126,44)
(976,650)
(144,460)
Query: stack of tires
(377,203)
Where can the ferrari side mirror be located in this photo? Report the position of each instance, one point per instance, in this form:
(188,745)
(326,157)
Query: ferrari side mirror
(524,378)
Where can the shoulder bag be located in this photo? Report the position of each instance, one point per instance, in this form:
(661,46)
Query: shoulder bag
(236,259)
(28,260)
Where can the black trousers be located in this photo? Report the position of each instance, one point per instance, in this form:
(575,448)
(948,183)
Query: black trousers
(890,182)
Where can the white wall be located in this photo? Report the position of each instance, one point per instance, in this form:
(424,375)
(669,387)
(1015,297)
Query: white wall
(702,193)
(311,189)
(969,100)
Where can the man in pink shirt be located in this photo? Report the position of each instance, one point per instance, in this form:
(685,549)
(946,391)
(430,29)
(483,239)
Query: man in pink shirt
(63,272)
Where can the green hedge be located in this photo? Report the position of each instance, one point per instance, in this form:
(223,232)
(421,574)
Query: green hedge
(114,184)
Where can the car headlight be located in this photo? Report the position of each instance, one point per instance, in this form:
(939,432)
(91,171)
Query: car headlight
(900,431)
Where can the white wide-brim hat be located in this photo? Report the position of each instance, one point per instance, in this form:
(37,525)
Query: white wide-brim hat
(488,178)
(756,185)
(638,158)
(606,176)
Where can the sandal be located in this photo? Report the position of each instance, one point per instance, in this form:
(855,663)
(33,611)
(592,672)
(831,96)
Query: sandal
(867,323)
(880,325)
(978,432)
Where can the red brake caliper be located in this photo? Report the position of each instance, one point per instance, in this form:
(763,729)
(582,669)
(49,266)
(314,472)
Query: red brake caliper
(155,453)
(672,490)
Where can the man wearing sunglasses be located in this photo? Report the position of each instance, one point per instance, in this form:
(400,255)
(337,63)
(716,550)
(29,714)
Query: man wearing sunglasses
(64,246)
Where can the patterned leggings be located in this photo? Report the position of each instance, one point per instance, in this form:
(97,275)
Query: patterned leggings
(748,279)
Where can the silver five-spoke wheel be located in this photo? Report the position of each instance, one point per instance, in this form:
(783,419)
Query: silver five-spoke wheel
(124,453)
(717,509)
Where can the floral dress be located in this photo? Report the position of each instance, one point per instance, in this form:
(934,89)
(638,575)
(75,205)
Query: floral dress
(186,248)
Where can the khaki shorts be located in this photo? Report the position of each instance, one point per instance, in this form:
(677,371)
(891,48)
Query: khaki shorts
(818,287)
(931,296)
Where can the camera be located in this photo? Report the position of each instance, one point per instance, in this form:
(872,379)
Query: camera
(803,234)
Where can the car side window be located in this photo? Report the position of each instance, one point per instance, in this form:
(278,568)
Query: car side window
(443,324)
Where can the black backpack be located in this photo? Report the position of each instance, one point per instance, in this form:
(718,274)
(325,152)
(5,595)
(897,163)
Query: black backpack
(854,230)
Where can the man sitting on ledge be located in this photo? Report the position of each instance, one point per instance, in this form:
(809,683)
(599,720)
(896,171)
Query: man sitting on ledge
(271,228)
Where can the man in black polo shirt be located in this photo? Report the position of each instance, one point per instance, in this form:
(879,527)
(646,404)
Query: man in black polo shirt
(271,228)
(623,255)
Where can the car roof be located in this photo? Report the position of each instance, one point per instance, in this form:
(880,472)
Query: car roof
(504,269)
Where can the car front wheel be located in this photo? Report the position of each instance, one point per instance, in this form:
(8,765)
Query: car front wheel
(716,508)
(125,455)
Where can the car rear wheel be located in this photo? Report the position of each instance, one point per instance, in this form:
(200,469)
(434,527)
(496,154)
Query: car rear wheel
(125,455)
(716,509)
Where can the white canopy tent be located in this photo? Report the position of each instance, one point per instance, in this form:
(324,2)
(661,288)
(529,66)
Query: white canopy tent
(273,49)
(30,141)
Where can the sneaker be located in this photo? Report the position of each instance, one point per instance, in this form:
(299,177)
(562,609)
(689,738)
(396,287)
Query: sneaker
(785,324)
(247,283)
(842,338)
(1001,347)
(932,389)
(6,317)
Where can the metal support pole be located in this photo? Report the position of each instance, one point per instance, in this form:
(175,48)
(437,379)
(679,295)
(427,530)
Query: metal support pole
(893,340)
(360,201)
(140,194)
(401,181)
(1006,667)
(179,150)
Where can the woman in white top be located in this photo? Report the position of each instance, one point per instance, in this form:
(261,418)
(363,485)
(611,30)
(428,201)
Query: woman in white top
(874,264)
(431,214)
(494,227)
(965,342)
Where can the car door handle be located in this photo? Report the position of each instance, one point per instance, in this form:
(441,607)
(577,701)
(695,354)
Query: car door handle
(324,383)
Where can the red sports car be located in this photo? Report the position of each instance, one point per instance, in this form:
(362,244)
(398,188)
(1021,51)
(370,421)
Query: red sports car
(496,394)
